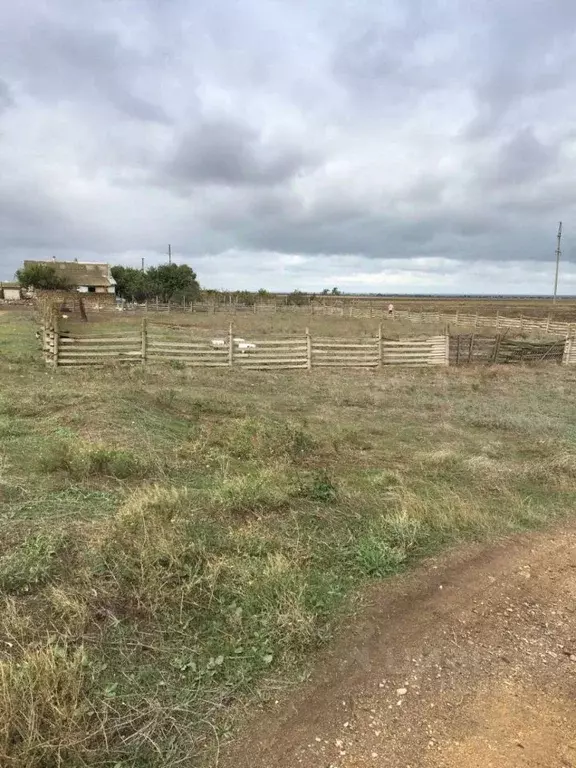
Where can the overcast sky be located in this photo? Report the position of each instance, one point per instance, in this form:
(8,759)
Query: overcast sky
(375,145)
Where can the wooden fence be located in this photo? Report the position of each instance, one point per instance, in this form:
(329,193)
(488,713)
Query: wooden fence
(365,310)
(498,349)
(158,345)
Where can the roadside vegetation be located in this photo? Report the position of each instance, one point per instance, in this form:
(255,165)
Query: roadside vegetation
(174,544)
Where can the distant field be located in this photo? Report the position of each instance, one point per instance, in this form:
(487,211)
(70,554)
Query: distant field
(176,544)
(564,309)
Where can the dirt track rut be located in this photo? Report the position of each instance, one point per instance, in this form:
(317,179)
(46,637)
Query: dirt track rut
(469,662)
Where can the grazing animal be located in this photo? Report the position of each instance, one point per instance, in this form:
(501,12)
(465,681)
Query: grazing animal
(238,340)
(218,343)
(246,346)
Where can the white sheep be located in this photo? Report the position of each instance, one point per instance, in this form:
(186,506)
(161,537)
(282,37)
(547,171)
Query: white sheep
(218,343)
(246,346)
(238,340)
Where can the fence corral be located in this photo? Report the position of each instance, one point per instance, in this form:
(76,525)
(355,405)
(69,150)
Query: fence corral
(157,344)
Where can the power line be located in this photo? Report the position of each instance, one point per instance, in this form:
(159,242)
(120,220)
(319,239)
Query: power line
(558,254)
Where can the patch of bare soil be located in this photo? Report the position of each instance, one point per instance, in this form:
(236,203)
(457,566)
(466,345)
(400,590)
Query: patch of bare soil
(469,662)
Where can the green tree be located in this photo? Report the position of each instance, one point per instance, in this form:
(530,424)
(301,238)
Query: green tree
(335,292)
(132,284)
(41,275)
(173,282)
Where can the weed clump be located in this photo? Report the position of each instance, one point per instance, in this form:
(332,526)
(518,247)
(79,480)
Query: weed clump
(32,563)
(83,460)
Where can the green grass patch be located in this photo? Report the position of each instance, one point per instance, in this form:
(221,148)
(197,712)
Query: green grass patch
(173,538)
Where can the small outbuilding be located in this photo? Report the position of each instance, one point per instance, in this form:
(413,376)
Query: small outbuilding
(10,291)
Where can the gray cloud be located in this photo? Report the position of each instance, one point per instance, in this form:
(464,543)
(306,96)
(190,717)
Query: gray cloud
(331,142)
(6,99)
(226,152)
(522,159)
(61,63)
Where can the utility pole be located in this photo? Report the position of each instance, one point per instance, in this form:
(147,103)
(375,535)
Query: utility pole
(558,254)
(142,263)
(169,254)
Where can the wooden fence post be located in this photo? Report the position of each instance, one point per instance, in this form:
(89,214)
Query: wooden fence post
(567,350)
(447,346)
(380,350)
(548,324)
(56,339)
(496,348)
(308,350)
(521,322)
(230,346)
(471,347)
(144,340)
(498,319)
(476,321)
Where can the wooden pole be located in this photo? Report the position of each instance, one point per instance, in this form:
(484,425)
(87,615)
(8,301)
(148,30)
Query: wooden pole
(230,346)
(144,340)
(380,349)
(56,342)
(308,350)
(496,348)
(471,347)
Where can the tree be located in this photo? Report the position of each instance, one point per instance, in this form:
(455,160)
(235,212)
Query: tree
(335,292)
(131,284)
(298,298)
(167,282)
(41,275)
(174,281)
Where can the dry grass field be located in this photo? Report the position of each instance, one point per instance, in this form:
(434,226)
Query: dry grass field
(175,544)
(280,324)
(563,309)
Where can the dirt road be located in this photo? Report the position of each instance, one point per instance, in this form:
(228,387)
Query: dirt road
(469,662)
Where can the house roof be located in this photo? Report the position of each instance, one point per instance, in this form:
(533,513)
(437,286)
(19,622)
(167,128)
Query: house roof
(9,285)
(77,273)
